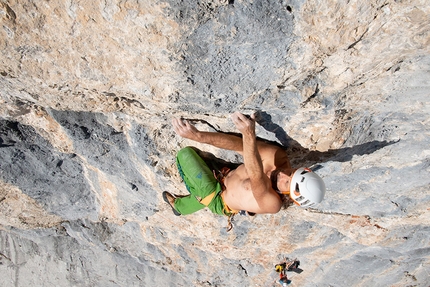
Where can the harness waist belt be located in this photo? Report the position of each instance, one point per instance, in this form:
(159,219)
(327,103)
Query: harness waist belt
(205,201)
(227,210)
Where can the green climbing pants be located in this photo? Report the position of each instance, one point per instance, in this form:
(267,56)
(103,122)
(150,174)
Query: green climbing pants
(200,182)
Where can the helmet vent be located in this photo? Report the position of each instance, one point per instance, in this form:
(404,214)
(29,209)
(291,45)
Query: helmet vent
(303,179)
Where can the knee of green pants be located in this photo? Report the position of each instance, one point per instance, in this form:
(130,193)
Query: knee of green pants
(197,176)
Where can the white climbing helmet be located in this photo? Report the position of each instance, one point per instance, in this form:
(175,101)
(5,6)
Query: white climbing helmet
(306,187)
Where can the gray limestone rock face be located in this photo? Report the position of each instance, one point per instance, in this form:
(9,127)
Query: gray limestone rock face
(55,180)
(87,94)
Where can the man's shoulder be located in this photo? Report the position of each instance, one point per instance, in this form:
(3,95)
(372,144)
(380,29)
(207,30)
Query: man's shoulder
(273,203)
(276,157)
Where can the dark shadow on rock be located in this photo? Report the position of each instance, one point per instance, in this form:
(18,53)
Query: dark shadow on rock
(300,155)
(265,120)
(346,154)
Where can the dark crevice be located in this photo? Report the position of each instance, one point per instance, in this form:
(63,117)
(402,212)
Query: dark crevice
(311,97)
(242,268)
(356,42)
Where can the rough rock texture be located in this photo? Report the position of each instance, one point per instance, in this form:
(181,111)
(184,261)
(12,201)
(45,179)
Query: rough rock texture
(87,92)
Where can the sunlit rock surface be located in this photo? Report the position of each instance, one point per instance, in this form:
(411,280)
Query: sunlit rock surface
(87,93)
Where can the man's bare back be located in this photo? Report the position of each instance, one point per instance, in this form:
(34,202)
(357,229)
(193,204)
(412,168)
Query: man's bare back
(238,192)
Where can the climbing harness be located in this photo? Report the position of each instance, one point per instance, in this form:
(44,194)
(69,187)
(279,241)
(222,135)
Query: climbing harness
(220,176)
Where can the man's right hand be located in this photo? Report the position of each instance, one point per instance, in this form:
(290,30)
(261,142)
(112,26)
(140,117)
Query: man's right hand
(185,129)
(246,125)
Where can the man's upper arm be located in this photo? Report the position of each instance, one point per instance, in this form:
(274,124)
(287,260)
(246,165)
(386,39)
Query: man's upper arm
(267,199)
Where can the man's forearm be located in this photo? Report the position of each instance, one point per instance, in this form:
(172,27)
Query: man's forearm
(221,140)
(251,156)
(254,166)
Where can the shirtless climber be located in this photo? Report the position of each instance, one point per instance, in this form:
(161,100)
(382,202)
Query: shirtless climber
(259,185)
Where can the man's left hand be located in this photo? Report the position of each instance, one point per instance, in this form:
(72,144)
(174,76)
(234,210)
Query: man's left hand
(185,129)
